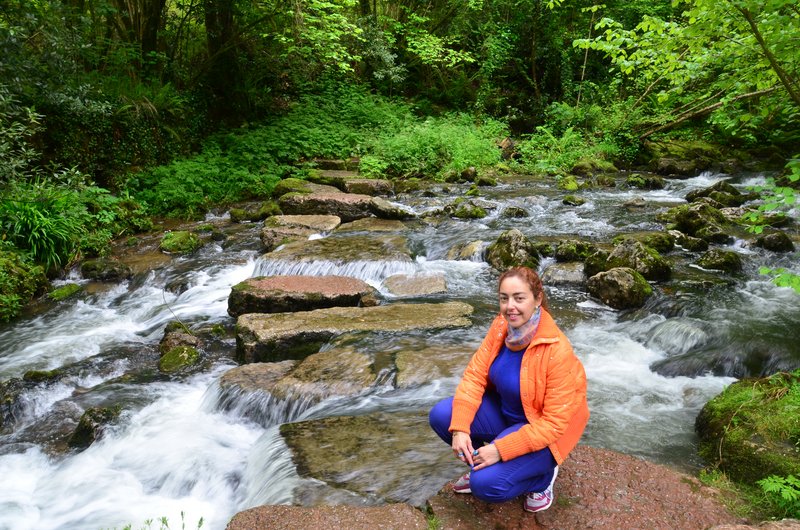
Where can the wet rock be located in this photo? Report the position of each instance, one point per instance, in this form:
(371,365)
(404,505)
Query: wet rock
(645,260)
(620,288)
(417,285)
(658,241)
(255,213)
(570,273)
(679,168)
(372,224)
(43,376)
(692,244)
(419,364)
(635,202)
(334,372)
(465,209)
(335,177)
(384,209)
(573,200)
(645,182)
(514,212)
(175,335)
(105,270)
(596,262)
(568,183)
(596,488)
(295,185)
(335,164)
(347,248)
(723,260)
(372,187)
(279,294)
(178,358)
(512,248)
(91,426)
(721,192)
(282,229)
(10,392)
(67,291)
(485,181)
(470,251)
(469,174)
(267,337)
(346,206)
(700,220)
(573,250)
(350,452)
(748,430)
(179,242)
(589,166)
(775,241)
(394,516)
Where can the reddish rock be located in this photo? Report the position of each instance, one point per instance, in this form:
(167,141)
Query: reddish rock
(278,294)
(395,516)
(597,488)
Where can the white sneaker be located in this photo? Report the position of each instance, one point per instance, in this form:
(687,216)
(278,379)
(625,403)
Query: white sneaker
(537,502)
(462,484)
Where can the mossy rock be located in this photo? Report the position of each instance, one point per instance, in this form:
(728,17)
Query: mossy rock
(645,182)
(568,183)
(91,426)
(105,270)
(407,185)
(42,376)
(485,180)
(701,220)
(620,288)
(473,191)
(573,250)
(775,241)
(64,292)
(514,212)
(291,185)
(588,166)
(752,429)
(643,259)
(573,200)
(180,242)
(256,213)
(512,248)
(659,241)
(596,263)
(723,260)
(463,208)
(178,358)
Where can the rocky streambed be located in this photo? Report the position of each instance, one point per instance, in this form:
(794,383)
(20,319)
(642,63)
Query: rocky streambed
(304,350)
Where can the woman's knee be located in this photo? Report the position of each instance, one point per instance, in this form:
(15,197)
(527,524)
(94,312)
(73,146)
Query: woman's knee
(440,415)
(487,487)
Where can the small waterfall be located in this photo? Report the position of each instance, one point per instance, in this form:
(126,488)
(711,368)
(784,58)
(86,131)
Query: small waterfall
(372,272)
(262,407)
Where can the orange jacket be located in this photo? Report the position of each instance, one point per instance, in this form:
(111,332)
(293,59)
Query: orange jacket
(552,389)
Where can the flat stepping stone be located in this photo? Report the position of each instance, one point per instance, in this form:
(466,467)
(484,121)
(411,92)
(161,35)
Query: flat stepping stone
(415,285)
(278,336)
(347,206)
(373,224)
(419,364)
(280,294)
(281,229)
(370,187)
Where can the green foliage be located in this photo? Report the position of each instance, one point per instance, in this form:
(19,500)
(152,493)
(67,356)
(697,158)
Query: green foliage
(434,148)
(20,281)
(544,152)
(783,493)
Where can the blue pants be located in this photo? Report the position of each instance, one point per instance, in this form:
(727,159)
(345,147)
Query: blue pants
(502,481)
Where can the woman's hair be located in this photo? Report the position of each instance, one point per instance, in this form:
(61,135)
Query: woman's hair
(530,277)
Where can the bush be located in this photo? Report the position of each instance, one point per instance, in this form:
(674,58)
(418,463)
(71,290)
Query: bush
(20,281)
(434,148)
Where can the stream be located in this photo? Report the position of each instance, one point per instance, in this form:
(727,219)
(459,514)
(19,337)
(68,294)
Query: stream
(177,453)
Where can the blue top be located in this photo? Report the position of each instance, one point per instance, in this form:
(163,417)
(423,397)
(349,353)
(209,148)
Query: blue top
(504,375)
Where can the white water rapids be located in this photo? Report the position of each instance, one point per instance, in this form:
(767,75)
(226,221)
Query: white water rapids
(174,454)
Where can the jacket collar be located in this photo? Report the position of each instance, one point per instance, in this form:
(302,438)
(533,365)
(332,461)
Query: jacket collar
(546,333)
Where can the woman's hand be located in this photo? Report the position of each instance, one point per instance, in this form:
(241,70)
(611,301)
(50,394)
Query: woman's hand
(462,447)
(486,456)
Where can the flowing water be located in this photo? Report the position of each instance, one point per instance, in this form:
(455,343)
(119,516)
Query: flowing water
(182,450)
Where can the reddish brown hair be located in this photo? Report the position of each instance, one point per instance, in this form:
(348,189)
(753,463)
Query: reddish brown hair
(530,277)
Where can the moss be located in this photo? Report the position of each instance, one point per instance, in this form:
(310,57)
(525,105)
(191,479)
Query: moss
(485,180)
(180,242)
(41,376)
(91,425)
(20,281)
(176,326)
(574,250)
(573,200)
(291,185)
(64,292)
(473,191)
(177,358)
(724,260)
(752,429)
(568,183)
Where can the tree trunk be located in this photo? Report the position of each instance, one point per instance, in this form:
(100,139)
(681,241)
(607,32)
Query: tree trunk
(223,70)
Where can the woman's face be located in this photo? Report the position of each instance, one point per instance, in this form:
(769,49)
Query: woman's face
(517,302)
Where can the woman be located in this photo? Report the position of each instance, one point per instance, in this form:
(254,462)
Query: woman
(520,407)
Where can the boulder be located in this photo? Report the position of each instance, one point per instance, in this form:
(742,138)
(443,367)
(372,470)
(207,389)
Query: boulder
(463,208)
(176,334)
(573,250)
(372,224)
(692,244)
(775,241)
(179,242)
(469,251)
(10,407)
(569,273)
(750,429)
(673,167)
(701,220)
(514,212)
(726,261)
(255,212)
(64,292)
(91,426)
(620,288)
(568,183)
(416,285)
(573,200)
(370,187)
(347,248)
(512,248)
(644,260)
(722,192)
(635,203)
(295,185)
(588,166)
(384,209)
(358,449)
(178,358)
(645,182)
(335,372)
(276,336)
(325,165)
(596,488)
(281,229)
(658,241)
(346,206)
(105,270)
(595,263)
(334,176)
(279,294)
(395,516)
